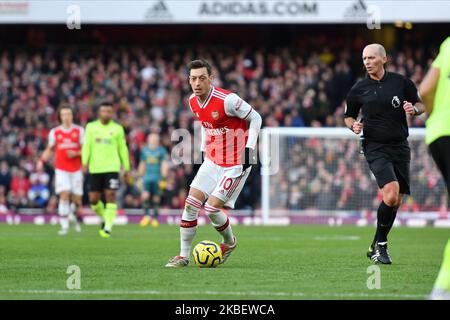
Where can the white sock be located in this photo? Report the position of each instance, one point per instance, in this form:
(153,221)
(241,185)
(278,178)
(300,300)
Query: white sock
(221,222)
(188,226)
(73,213)
(64,212)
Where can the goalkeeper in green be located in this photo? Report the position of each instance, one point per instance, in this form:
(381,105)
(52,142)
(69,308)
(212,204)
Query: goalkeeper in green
(104,151)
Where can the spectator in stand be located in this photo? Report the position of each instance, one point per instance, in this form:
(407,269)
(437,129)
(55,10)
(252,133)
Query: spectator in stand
(5,176)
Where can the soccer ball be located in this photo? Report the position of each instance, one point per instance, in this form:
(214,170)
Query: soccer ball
(207,254)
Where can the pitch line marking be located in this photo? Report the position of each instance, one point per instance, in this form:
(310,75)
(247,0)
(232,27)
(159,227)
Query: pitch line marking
(337,238)
(213,293)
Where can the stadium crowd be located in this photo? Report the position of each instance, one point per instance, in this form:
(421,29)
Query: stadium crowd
(331,174)
(149,88)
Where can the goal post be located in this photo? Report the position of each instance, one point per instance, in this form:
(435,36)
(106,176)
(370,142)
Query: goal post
(321,172)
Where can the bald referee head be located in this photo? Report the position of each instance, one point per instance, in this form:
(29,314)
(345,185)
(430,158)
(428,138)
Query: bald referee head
(374,59)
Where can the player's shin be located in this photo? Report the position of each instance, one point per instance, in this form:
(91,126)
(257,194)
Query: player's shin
(188,225)
(441,289)
(64,212)
(221,222)
(147,206)
(99,208)
(110,215)
(156,208)
(76,218)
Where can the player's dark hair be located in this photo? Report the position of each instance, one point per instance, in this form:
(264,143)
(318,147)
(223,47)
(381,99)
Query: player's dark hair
(63,106)
(105,104)
(200,63)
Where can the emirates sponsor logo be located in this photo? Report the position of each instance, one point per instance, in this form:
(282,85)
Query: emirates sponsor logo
(217,131)
(68,145)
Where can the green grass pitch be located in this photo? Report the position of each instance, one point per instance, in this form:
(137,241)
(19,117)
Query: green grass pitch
(295,262)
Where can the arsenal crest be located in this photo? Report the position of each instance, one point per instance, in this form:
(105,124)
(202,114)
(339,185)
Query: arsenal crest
(215,115)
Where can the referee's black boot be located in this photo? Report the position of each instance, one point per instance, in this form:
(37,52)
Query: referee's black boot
(381,254)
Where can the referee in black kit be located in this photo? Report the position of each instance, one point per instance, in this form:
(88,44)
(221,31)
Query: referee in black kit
(385,99)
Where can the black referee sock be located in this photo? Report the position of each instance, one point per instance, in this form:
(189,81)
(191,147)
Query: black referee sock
(394,215)
(384,220)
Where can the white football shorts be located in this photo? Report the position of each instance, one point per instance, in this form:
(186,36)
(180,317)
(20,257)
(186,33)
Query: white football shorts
(69,181)
(225,183)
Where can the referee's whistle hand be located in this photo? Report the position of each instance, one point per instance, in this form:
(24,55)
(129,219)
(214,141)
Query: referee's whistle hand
(409,108)
(357,127)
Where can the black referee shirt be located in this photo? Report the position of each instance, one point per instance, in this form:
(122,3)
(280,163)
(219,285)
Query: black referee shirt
(381,103)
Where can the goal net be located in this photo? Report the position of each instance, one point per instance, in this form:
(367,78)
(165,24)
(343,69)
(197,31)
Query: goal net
(309,172)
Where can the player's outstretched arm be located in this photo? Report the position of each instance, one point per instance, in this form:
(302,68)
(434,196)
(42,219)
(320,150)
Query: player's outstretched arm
(48,150)
(123,154)
(45,157)
(86,148)
(427,88)
(236,107)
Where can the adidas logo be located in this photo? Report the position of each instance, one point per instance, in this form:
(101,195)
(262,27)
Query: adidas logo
(158,11)
(356,10)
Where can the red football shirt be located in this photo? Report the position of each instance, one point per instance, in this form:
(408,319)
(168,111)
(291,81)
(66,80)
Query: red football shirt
(63,140)
(223,116)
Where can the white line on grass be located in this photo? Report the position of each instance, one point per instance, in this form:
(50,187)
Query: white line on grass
(338,238)
(216,293)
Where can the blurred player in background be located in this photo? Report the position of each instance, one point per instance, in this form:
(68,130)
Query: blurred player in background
(385,99)
(104,151)
(435,90)
(230,129)
(153,170)
(66,141)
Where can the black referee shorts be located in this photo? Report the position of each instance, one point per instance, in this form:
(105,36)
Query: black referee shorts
(440,151)
(98,182)
(389,162)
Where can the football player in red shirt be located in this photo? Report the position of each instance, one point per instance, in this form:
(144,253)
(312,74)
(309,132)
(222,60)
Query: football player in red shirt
(65,141)
(230,128)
